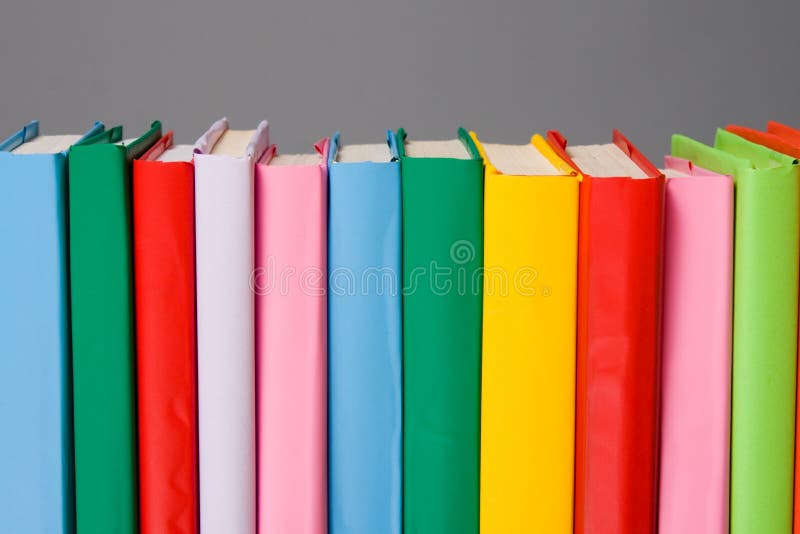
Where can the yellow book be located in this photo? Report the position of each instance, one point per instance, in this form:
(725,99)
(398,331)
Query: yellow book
(529,318)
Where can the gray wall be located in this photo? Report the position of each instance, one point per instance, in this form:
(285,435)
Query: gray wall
(505,68)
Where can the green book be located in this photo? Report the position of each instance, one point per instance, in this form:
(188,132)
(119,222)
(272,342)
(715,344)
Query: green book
(442,192)
(765,302)
(102,331)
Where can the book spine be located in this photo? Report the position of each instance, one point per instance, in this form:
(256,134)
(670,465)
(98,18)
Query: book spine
(442,310)
(764,350)
(696,381)
(36,494)
(163,222)
(786,140)
(224,241)
(528,391)
(102,339)
(291,348)
(365,349)
(619,286)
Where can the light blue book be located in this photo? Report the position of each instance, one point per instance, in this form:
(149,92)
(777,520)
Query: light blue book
(365,339)
(36,459)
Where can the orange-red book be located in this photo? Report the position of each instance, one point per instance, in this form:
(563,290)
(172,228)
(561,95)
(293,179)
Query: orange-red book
(618,341)
(768,139)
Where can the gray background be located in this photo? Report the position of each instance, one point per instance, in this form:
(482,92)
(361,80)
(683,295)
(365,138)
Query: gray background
(504,68)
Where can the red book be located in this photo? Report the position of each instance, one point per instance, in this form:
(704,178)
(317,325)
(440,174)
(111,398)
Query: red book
(786,133)
(163,237)
(768,139)
(618,353)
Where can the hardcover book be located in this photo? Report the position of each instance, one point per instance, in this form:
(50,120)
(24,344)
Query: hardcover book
(696,369)
(442,195)
(291,340)
(166,362)
(365,340)
(224,214)
(103,357)
(36,450)
(619,342)
(529,316)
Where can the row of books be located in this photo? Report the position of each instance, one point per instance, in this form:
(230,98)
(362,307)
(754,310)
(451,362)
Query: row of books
(429,337)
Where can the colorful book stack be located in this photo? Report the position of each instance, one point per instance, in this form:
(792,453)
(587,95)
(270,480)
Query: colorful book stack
(419,337)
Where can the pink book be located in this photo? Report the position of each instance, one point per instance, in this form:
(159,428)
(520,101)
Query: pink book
(291,342)
(696,387)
